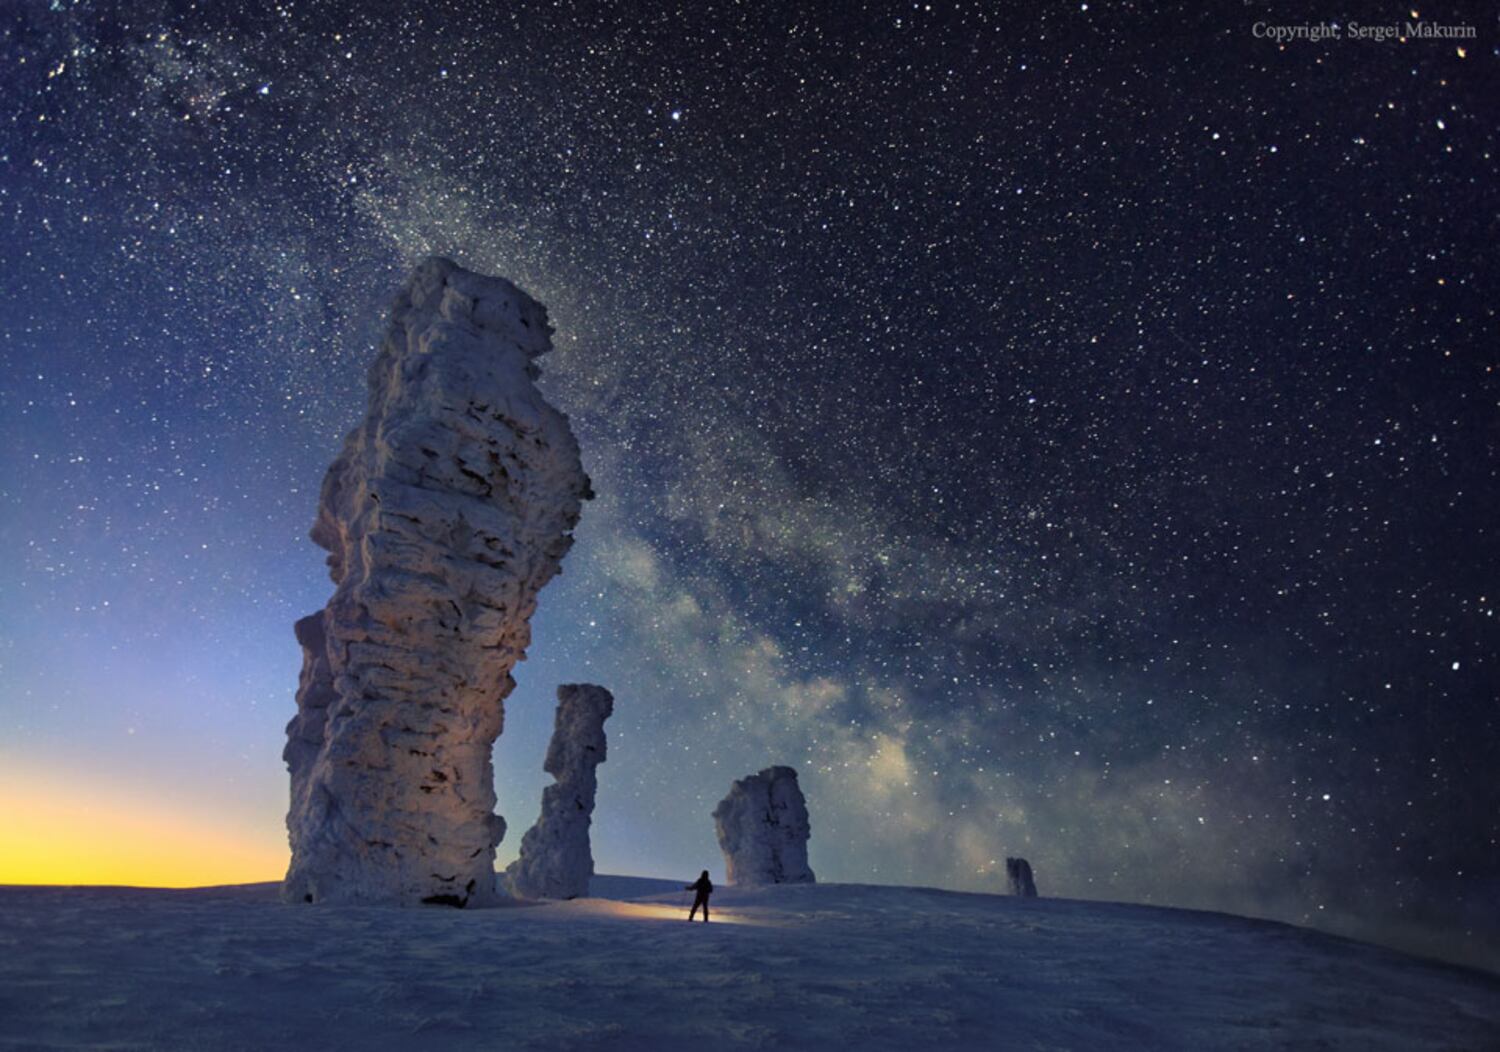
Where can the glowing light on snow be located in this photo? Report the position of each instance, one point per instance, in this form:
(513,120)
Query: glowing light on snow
(651,911)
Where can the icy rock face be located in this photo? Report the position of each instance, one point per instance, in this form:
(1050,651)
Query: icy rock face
(763,829)
(1019,872)
(555,861)
(445,513)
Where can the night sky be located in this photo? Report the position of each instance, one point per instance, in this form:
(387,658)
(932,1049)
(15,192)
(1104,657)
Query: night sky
(1072,435)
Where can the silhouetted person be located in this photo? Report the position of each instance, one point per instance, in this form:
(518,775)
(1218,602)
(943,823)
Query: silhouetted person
(704,887)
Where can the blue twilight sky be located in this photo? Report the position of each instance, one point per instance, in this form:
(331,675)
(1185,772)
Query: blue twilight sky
(1070,433)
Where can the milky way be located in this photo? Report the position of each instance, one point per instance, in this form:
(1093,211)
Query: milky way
(1068,436)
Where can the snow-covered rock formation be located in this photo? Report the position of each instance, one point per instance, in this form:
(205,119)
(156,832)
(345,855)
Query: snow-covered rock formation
(1019,872)
(447,510)
(763,829)
(555,861)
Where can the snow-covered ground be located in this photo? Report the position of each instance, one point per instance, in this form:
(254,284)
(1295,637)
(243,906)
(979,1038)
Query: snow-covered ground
(825,966)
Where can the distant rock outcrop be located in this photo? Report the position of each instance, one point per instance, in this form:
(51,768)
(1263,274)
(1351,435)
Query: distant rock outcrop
(555,861)
(447,510)
(763,829)
(1019,872)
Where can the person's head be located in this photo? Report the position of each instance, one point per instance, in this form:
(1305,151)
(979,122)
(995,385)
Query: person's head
(704,876)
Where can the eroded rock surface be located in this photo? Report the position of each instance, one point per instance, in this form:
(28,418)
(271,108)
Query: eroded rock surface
(448,509)
(763,829)
(555,860)
(1018,870)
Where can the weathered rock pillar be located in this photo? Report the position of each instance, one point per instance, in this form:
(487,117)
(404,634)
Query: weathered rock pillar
(555,860)
(763,829)
(447,510)
(1018,870)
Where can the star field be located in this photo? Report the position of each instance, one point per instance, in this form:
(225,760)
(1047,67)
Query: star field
(1071,435)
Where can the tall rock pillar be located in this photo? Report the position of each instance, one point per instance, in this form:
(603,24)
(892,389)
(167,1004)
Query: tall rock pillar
(763,829)
(555,860)
(447,510)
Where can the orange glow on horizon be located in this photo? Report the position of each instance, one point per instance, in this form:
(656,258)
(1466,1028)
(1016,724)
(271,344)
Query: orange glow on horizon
(58,832)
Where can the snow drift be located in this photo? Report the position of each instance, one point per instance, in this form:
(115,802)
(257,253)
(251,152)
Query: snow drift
(780,967)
